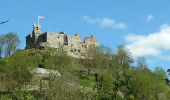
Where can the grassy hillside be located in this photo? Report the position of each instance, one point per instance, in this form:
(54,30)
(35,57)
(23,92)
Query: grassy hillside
(103,75)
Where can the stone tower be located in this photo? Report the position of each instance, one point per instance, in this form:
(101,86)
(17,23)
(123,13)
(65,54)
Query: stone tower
(35,33)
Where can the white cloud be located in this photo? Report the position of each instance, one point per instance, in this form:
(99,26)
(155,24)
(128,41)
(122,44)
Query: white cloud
(153,44)
(106,22)
(149,17)
(90,20)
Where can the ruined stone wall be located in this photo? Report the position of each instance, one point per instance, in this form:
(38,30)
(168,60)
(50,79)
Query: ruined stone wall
(73,41)
(72,44)
(90,41)
(55,39)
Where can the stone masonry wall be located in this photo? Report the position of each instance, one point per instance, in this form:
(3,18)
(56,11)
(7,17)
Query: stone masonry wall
(72,44)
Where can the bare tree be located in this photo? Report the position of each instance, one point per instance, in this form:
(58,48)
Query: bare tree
(123,56)
(2,43)
(11,42)
(141,62)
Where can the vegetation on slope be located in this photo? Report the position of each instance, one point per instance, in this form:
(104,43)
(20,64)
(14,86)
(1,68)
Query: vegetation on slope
(103,75)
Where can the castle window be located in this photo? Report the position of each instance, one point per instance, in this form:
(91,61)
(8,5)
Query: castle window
(75,50)
(58,37)
(37,28)
(71,50)
(79,50)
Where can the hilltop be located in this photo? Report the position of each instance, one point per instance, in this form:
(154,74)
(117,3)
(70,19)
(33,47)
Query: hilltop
(102,75)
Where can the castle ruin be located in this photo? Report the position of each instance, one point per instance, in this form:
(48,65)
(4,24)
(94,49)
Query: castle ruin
(71,44)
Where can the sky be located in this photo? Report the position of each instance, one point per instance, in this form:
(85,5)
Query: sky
(143,26)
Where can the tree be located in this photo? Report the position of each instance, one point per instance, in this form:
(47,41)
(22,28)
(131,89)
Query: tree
(105,50)
(120,65)
(2,43)
(90,61)
(19,66)
(11,42)
(160,72)
(148,85)
(141,62)
(122,56)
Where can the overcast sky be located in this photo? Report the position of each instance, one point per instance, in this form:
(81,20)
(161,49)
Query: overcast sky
(141,25)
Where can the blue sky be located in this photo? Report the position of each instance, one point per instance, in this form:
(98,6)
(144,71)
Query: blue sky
(141,25)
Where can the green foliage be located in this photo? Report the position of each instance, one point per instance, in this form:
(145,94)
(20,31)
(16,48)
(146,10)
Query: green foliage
(88,82)
(2,65)
(148,85)
(57,60)
(160,73)
(103,75)
(18,70)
